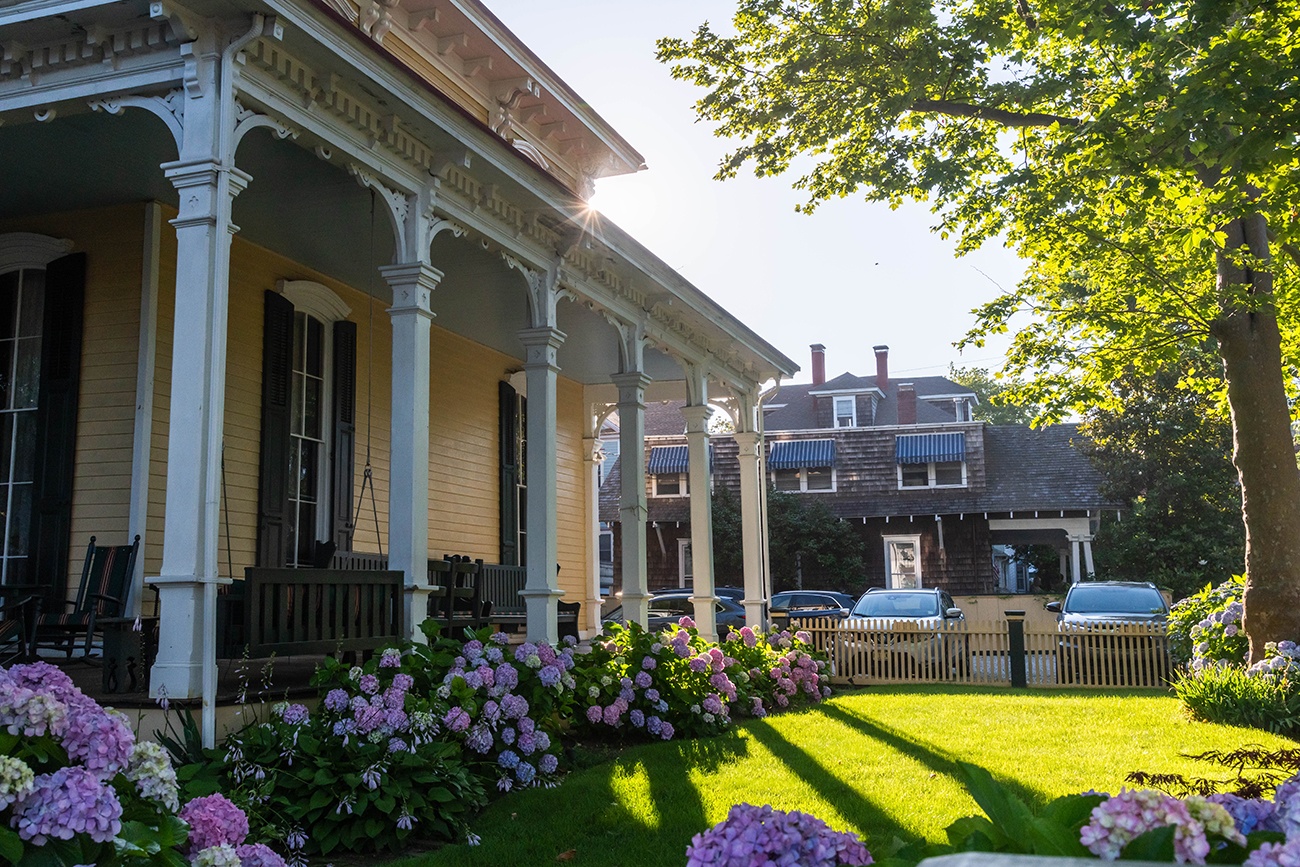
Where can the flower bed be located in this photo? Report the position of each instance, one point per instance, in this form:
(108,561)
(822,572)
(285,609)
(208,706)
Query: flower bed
(76,787)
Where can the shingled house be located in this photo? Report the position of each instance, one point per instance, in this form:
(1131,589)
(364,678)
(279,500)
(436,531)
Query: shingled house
(936,494)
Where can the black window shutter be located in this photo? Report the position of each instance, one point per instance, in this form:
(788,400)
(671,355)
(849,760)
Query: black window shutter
(273,483)
(508,403)
(56,421)
(345,431)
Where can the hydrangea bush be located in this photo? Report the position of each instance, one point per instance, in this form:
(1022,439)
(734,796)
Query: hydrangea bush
(753,836)
(1205,628)
(661,685)
(76,787)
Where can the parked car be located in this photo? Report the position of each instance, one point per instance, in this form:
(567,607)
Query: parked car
(1091,611)
(908,631)
(669,606)
(794,604)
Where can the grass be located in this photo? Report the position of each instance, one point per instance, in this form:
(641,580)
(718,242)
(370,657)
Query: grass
(878,761)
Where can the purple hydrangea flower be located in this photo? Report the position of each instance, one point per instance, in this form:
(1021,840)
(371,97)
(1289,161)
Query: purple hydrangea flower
(514,706)
(294,714)
(369,684)
(479,739)
(1249,814)
(525,773)
(390,658)
(637,718)
(507,676)
(548,764)
(1276,855)
(643,679)
(508,759)
(499,638)
(549,675)
(594,714)
(457,719)
(68,802)
(336,700)
(761,835)
(214,820)
(258,855)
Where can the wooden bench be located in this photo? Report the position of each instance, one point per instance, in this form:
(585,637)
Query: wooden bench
(313,611)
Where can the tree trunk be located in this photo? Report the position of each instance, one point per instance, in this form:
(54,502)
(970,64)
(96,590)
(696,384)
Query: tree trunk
(1263,450)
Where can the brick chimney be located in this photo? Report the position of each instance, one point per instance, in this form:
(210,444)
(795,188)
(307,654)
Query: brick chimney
(906,403)
(882,367)
(818,364)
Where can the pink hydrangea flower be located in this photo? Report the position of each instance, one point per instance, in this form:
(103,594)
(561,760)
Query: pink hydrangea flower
(214,820)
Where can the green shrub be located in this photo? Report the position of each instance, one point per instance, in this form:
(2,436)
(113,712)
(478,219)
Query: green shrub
(1228,694)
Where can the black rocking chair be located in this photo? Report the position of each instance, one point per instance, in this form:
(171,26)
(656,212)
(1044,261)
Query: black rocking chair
(105,580)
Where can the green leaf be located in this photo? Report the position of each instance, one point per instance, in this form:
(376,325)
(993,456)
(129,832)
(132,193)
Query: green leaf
(1154,845)
(11,845)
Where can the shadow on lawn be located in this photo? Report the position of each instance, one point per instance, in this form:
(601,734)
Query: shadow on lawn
(937,760)
(859,810)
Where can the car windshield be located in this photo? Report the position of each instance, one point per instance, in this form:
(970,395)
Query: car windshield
(1115,600)
(897,605)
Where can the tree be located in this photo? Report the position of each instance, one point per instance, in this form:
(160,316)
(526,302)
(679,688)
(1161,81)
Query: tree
(1167,453)
(1141,156)
(803,535)
(995,395)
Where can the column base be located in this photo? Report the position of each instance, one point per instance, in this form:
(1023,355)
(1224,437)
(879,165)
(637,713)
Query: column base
(636,607)
(543,615)
(416,611)
(754,614)
(706,617)
(177,672)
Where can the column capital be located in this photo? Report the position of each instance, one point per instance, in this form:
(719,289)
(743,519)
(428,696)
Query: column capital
(631,387)
(412,284)
(749,443)
(541,346)
(697,418)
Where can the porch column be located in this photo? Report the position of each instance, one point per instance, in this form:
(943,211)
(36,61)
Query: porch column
(1089,570)
(592,458)
(1075,574)
(632,504)
(408,485)
(542,586)
(750,445)
(197,411)
(697,445)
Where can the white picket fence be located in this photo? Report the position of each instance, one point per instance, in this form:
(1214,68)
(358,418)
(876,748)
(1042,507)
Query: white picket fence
(1111,655)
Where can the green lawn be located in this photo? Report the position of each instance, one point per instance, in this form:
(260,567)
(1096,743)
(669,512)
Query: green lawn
(878,761)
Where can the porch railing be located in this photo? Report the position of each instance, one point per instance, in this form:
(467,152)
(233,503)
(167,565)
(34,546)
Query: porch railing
(500,584)
(1112,655)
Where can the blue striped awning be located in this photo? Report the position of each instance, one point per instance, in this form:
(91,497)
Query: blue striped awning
(924,448)
(798,454)
(668,459)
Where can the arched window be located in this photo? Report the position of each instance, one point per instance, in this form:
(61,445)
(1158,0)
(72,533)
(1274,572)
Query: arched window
(41,296)
(308,425)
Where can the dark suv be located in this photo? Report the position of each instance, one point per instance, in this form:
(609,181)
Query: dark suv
(1091,620)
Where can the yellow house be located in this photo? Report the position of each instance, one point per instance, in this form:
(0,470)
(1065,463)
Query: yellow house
(283,274)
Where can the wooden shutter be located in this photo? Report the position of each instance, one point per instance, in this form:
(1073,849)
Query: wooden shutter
(343,462)
(56,421)
(508,423)
(277,381)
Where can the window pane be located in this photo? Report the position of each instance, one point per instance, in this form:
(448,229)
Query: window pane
(819,478)
(787,480)
(947,473)
(916,476)
(6,443)
(27,375)
(306,532)
(8,303)
(24,447)
(32,304)
(311,410)
(6,373)
(295,403)
(668,485)
(315,357)
(308,471)
(299,340)
(20,516)
(902,566)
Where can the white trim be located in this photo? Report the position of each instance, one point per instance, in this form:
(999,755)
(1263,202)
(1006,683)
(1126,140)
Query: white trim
(930,476)
(915,541)
(803,482)
(833,392)
(146,361)
(853,410)
(683,562)
(314,299)
(19,250)
(683,490)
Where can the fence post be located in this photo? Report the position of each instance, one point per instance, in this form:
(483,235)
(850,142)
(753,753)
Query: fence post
(1016,642)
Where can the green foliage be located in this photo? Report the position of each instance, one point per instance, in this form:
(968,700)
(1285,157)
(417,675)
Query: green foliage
(1256,773)
(803,536)
(1167,452)
(1193,620)
(997,396)
(1227,694)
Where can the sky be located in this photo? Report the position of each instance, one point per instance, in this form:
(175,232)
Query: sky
(852,275)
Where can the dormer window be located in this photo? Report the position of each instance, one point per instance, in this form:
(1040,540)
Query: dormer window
(931,460)
(846,411)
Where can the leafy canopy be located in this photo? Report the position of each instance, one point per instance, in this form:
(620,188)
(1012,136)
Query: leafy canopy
(1107,142)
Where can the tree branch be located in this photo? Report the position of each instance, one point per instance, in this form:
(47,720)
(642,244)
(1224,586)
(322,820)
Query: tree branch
(1001,116)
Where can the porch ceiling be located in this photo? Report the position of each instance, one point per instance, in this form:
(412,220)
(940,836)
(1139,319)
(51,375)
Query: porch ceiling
(304,209)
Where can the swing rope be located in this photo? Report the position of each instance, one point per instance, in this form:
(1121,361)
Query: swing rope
(368,476)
